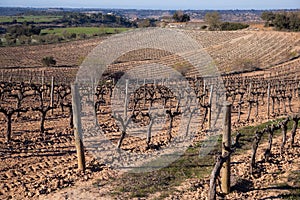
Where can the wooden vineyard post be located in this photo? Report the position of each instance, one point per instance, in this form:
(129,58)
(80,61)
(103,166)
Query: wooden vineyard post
(298,96)
(204,91)
(250,88)
(77,126)
(30,77)
(93,91)
(125,102)
(210,102)
(144,93)
(226,144)
(43,82)
(52,94)
(268,106)
(43,77)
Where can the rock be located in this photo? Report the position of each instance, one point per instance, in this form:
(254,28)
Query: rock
(30,194)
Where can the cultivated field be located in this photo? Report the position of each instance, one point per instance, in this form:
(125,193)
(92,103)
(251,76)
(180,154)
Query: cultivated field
(36,19)
(84,30)
(37,151)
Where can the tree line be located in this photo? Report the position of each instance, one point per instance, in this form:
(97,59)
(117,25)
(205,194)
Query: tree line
(213,19)
(21,34)
(83,19)
(282,21)
(24,29)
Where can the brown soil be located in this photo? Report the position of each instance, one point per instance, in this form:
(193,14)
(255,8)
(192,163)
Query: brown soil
(45,166)
(275,180)
(66,54)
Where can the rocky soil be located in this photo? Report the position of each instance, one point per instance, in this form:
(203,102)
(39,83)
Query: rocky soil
(275,179)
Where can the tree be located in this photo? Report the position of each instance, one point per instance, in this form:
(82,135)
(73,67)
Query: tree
(10,40)
(142,23)
(294,22)
(179,16)
(27,30)
(214,20)
(282,21)
(48,61)
(268,16)
(185,18)
(82,36)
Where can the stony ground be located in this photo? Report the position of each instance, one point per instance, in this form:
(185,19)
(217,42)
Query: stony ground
(36,166)
(44,166)
(275,179)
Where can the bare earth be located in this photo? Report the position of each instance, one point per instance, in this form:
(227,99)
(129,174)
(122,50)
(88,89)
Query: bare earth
(267,185)
(45,166)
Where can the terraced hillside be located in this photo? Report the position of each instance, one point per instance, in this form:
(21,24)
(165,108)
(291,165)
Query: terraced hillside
(231,51)
(255,50)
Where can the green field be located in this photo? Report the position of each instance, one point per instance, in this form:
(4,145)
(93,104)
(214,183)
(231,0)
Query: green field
(84,30)
(30,18)
(57,35)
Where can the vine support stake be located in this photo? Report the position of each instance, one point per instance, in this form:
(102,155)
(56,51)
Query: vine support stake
(298,96)
(268,106)
(77,126)
(225,171)
(52,94)
(126,100)
(210,105)
(43,82)
(204,91)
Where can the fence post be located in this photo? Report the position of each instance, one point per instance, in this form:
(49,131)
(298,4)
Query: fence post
(226,142)
(76,106)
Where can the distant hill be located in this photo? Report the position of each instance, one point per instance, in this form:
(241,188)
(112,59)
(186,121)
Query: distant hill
(196,15)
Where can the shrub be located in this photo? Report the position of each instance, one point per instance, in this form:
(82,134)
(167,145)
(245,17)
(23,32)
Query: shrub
(231,26)
(247,64)
(48,61)
(204,27)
